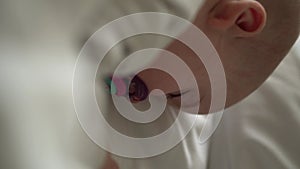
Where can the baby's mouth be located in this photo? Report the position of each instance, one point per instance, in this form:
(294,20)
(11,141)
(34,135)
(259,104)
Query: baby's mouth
(138,90)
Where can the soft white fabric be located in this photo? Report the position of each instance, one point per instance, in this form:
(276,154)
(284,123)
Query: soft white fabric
(39,44)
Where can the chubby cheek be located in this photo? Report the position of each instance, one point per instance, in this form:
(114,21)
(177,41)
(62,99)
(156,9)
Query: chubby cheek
(188,102)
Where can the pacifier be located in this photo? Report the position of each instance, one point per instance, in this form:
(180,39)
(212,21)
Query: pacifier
(136,89)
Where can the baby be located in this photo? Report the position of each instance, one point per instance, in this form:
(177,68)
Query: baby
(251,37)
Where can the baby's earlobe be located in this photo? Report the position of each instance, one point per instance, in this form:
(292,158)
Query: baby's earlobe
(239,18)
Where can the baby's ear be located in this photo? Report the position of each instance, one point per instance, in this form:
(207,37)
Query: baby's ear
(244,18)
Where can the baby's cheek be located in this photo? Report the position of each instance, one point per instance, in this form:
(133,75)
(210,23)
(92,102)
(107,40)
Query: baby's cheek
(188,102)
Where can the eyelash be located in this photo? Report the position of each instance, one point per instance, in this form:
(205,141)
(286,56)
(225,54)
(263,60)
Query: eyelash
(172,95)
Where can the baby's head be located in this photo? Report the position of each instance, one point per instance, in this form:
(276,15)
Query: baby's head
(251,37)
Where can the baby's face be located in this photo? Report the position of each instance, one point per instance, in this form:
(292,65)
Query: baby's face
(237,31)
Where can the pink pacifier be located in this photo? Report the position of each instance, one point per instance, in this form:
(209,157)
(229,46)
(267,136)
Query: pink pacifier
(137,89)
